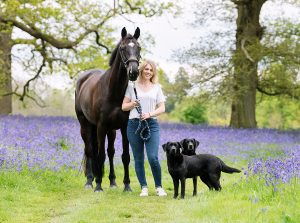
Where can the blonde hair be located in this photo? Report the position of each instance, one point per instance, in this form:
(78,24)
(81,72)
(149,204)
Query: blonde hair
(154,78)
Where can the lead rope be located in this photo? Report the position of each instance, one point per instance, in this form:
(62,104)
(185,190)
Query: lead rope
(143,127)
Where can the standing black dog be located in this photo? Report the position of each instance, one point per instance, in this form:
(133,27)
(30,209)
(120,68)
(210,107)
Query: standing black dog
(180,167)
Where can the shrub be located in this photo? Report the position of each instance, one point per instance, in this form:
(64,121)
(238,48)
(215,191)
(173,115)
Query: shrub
(190,110)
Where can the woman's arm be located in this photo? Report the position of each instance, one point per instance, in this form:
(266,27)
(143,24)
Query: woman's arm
(160,108)
(128,105)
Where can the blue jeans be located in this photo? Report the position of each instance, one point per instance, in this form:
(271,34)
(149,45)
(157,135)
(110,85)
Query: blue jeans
(152,145)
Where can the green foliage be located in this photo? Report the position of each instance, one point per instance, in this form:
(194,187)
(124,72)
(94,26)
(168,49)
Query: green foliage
(271,112)
(62,144)
(278,112)
(218,111)
(190,110)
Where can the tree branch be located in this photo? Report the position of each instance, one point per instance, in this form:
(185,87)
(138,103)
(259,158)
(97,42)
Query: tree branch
(28,96)
(108,51)
(32,30)
(133,8)
(23,41)
(245,51)
(276,93)
(240,2)
(26,86)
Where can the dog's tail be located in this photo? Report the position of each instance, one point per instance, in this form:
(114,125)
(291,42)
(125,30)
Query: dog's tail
(228,169)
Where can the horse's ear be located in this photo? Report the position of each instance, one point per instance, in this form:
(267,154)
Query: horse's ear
(124,32)
(137,33)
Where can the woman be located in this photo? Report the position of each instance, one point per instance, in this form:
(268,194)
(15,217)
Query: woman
(151,100)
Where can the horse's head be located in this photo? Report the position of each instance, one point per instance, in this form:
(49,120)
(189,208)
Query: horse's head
(130,53)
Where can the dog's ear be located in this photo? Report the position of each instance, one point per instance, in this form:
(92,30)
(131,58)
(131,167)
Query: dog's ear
(164,146)
(196,143)
(182,142)
(179,146)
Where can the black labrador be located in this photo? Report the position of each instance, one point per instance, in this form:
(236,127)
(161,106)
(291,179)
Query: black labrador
(189,146)
(206,166)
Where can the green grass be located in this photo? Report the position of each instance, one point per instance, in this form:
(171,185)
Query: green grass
(46,196)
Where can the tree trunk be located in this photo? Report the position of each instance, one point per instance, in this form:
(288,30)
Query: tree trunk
(248,35)
(5,69)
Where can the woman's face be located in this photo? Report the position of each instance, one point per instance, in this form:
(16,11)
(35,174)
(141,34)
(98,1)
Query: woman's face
(147,73)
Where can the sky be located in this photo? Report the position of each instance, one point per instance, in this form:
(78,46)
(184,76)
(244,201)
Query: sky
(169,33)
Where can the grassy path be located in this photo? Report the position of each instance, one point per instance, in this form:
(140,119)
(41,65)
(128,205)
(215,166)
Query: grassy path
(60,197)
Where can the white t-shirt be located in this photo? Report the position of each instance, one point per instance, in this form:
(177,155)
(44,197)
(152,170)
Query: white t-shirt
(148,99)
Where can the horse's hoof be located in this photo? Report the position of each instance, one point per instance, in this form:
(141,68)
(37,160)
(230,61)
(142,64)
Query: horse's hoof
(113,186)
(88,186)
(98,189)
(127,188)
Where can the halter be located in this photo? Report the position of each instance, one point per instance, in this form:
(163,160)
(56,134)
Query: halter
(125,61)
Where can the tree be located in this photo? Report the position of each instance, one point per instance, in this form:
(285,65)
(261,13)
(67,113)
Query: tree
(238,62)
(176,90)
(60,36)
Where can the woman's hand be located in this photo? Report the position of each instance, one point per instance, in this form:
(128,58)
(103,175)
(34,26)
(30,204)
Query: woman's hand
(146,116)
(134,104)
(129,104)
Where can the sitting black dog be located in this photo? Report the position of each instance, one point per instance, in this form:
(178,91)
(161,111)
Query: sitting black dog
(180,167)
(189,148)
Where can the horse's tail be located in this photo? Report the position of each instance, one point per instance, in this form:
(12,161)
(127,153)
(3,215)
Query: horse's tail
(103,172)
(83,164)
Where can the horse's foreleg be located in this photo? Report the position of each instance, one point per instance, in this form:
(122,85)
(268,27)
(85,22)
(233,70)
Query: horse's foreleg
(111,135)
(125,160)
(98,161)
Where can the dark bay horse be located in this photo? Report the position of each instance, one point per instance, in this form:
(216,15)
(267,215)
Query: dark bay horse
(98,99)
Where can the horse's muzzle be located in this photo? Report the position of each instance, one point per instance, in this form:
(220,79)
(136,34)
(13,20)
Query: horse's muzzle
(132,71)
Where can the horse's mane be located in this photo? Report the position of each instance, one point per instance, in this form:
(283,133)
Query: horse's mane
(114,54)
(115,51)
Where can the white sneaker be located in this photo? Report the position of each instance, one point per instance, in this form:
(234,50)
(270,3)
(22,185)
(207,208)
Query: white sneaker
(160,192)
(144,192)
